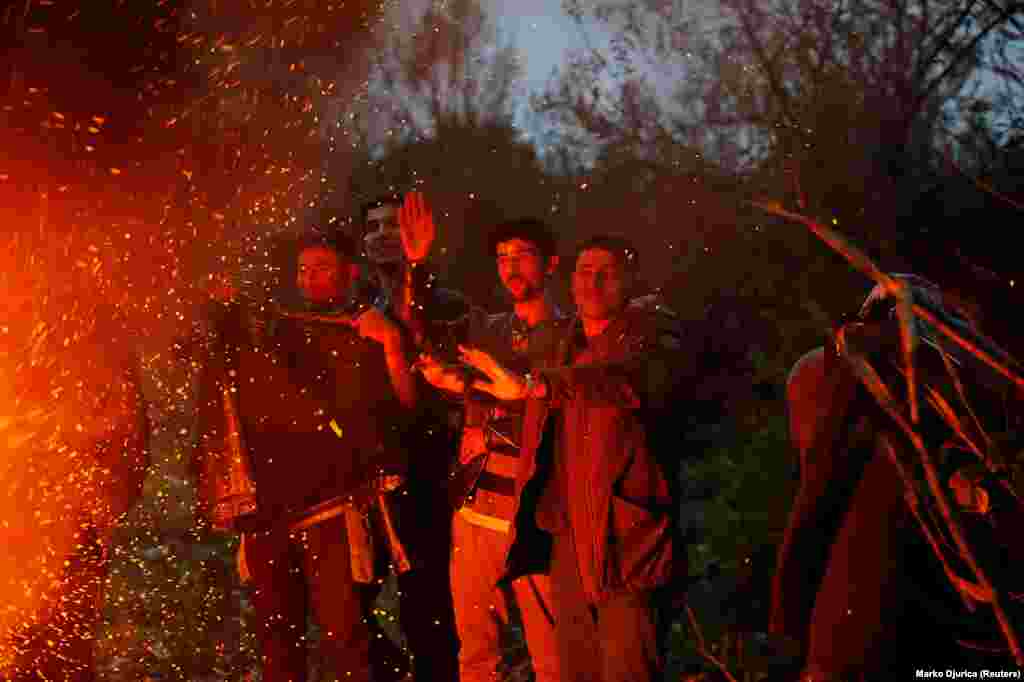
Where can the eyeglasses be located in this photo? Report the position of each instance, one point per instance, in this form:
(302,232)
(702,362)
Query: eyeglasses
(507,257)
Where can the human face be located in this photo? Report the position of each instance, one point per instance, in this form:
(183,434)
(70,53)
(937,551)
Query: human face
(522,269)
(600,284)
(383,237)
(321,275)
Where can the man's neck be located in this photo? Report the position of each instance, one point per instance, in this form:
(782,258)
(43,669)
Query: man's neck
(595,327)
(534,311)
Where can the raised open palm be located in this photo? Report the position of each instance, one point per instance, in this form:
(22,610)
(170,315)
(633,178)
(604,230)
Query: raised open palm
(416,222)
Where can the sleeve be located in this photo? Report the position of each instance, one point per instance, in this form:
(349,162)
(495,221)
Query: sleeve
(435,318)
(391,419)
(471,328)
(644,377)
(431,307)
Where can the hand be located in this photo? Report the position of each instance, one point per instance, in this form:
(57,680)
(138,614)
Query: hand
(439,375)
(474,443)
(416,223)
(503,384)
(375,325)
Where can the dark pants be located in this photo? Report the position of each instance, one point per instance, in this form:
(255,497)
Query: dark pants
(311,569)
(60,647)
(619,641)
(427,618)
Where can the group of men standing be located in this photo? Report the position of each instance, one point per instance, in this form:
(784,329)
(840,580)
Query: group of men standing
(520,462)
(523,465)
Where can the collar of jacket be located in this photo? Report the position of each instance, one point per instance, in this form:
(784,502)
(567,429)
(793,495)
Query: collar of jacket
(605,344)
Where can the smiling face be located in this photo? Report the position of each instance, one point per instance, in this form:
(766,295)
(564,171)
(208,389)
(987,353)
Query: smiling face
(383,237)
(322,275)
(522,269)
(600,284)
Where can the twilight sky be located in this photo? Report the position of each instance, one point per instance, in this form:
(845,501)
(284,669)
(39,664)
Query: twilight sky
(541,31)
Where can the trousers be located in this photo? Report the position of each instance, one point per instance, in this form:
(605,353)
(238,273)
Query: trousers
(427,616)
(295,573)
(618,641)
(482,610)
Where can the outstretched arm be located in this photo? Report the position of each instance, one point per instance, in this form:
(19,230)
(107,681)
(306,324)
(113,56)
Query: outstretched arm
(439,375)
(643,376)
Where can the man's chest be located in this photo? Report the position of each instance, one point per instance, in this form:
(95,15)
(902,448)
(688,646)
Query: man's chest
(300,375)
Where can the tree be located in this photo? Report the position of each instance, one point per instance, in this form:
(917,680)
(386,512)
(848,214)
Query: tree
(804,92)
(438,118)
(451,69)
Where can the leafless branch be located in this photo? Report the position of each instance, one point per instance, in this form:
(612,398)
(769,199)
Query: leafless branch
(984,186)
(870,379)
(702,649)
(884,398)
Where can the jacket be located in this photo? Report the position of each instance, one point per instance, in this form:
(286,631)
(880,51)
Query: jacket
(600,434)
(293,380)
(507,339)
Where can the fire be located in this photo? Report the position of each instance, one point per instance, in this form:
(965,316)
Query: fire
(60,395)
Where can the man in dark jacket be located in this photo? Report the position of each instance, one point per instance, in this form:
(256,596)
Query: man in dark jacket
(424,516)
(597,481)
(321,408)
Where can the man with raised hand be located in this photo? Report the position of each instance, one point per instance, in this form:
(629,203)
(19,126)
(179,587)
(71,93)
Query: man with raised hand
(424,516)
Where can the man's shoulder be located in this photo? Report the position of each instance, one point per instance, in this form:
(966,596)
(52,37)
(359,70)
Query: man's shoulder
(651,323)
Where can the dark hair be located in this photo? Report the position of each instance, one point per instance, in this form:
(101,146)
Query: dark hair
(393,199)
(335,241)
(618,246)
(530,230)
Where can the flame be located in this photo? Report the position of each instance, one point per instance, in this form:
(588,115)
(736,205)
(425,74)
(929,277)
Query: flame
(61,393)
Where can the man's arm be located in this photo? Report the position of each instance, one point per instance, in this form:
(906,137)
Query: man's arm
(401,375)
(644,377)
(649,367)
(374,325)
